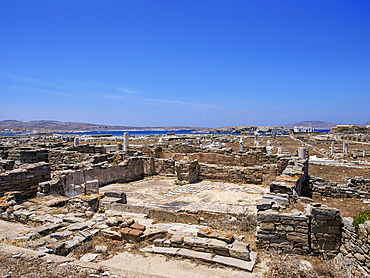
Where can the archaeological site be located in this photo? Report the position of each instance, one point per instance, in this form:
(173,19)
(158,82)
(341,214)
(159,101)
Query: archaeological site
(187,205)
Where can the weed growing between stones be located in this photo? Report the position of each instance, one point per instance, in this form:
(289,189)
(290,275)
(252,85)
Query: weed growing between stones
(361,218)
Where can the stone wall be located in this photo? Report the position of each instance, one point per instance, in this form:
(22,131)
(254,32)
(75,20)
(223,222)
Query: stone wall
(25,180)
(164,166)
(64,159)
(130,169)
(355,188)
(6,165)
(229,159)
(294,180)
(284,231)
(356,244)
(326,228)
(316,229)
(88,148)
(255,175)
(187,170)
(28,155)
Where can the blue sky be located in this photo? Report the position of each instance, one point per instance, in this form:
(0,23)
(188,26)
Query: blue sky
(195,63)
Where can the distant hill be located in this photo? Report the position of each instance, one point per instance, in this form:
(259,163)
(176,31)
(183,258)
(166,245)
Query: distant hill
(78,126)
(364,124)
(314,124)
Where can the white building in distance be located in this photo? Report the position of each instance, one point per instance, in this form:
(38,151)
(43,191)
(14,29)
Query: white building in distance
(303,129)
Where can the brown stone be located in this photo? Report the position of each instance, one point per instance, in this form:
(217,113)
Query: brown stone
(138,226)
(269,226)
(125,231)
(135,233)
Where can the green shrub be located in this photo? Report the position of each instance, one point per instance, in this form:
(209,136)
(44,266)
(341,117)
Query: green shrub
(361,218)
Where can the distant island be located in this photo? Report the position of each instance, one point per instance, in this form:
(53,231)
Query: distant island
(56,126)
(78,126)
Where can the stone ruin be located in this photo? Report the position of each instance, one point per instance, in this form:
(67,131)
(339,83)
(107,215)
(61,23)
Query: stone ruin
(34,179)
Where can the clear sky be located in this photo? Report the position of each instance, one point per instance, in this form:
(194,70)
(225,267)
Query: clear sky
(176,62)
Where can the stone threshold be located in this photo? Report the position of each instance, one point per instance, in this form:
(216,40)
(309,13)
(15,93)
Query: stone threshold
(228,261)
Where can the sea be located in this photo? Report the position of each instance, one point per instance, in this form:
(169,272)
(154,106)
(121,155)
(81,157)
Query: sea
(138,133)
(158,132)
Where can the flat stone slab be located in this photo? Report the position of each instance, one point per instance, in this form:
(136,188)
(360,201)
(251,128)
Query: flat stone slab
(73,219)
(77,227)
(60,235)
(228,261)
(277,198)
(265,204)
(160,250)
(89,257)
(53,220)
(195,254)
(110,200)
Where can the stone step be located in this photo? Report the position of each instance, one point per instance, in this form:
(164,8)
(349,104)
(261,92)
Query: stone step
(228,261)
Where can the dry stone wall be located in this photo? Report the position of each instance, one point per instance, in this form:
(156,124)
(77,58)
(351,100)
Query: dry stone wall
(316,229)
(285,231)
(25,180)
(187,170)
(294,180)
(255,175)
(356,244)
(25,156)
(326,228)
(355,188)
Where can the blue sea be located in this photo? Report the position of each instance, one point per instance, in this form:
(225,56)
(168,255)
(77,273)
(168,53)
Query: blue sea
(148,132)
(157,132)
(120,133)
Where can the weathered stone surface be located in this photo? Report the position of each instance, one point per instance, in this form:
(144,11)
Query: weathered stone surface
(227,237)
(117,194)
(264,204)
(281,199)
(112,234)
(268,216)
(60,235)
(80,226)
(268,226)
(161,250)
(187,218)
(240,250)
(135,233)
(218,245)
(297,237)
(236,262)
(194,254)
(89,257)
(326,229)
(101,248)
(138,226)
(162,215)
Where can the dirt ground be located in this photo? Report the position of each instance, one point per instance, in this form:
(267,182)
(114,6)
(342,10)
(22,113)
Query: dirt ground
(337,173)
(30,266)
(348,207)
(8,228)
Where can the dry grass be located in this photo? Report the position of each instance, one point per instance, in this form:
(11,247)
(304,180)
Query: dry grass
(294,266)
(29,266)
